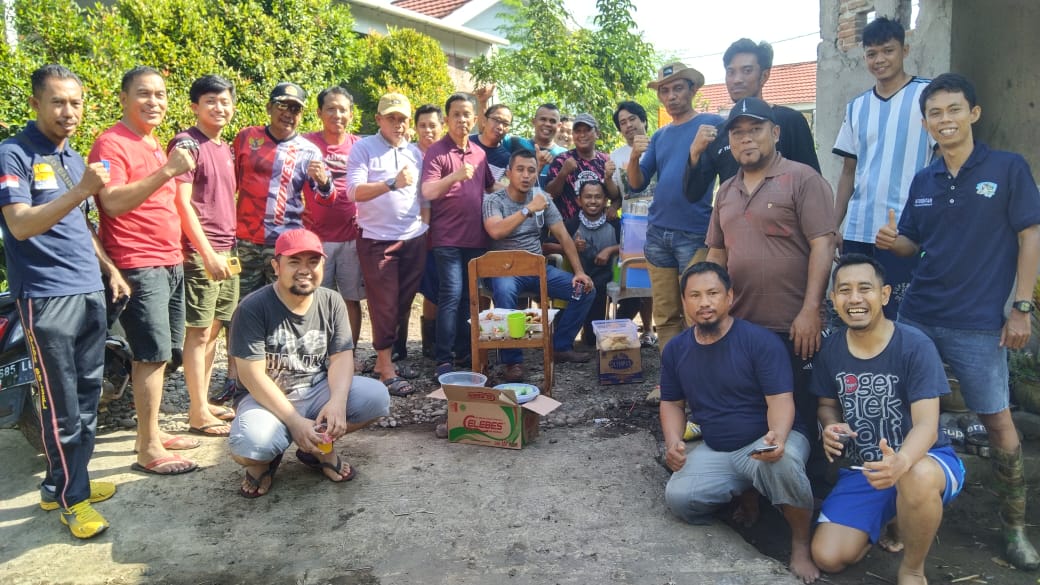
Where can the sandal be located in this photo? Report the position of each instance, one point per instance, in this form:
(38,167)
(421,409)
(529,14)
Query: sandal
(442,368)
(398,386)
(366,366)
(648,339)
(255,482)
(406,371)
(949,426)
(975,435)
(316,464)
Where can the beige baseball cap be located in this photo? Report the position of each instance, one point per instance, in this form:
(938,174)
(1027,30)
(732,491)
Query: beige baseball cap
(394,102)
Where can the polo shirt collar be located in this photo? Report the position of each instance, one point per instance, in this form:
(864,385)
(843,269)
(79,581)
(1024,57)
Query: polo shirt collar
(772,171)
(44,144)
(978,154)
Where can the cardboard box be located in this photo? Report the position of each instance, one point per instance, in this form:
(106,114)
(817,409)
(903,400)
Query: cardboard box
(485,416)
(620,366)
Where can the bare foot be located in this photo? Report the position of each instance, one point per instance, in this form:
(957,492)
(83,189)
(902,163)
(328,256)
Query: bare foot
(911,577)
(802,565)
(889,541)
(747,512)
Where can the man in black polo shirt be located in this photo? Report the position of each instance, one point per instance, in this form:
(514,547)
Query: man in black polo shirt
(973,216)
(747,70)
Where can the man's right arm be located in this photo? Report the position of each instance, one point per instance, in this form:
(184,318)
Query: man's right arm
(116,201)
(846,184)
(673,425)
(253,374)
(889,238)
(700,170)
(636,180)
(25,220)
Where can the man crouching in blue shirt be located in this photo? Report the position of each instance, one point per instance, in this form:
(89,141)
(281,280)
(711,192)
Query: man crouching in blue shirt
(736,378)
(879,384)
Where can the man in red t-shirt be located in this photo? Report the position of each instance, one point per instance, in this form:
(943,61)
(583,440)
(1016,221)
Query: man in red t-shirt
(334,219)
(141,231)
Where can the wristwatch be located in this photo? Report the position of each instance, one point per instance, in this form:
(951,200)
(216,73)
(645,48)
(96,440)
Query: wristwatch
(390,183)
(525,211)
(1023,306)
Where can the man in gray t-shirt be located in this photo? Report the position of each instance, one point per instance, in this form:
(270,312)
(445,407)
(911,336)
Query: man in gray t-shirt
(292,343)
(514,218)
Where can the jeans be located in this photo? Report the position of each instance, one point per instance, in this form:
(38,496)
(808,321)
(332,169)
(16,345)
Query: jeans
(504,291)
(668,253)
(453,301)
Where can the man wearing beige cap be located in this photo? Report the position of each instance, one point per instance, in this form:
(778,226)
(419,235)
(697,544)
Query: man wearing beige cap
(675,234)
(578,165)
(382,173)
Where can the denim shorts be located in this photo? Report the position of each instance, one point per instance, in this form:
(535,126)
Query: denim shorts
(666,248)
(154,316)
(977,360)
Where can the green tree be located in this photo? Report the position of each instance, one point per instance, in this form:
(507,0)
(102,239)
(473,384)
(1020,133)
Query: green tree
(581,70)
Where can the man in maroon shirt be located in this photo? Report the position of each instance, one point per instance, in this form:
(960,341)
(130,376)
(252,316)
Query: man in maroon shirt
(334,219)
(455,176)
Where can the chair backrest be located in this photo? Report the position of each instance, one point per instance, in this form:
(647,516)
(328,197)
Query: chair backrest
(628,263)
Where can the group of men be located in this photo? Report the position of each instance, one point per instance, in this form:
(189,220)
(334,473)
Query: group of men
(748,267)
(937,239)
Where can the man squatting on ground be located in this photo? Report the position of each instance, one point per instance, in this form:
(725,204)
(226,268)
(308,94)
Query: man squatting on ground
(294,349)
(55,280)
(879,384)
(736,379)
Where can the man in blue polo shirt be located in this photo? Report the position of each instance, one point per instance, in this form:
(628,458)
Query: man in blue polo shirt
(973,217)
(55,279)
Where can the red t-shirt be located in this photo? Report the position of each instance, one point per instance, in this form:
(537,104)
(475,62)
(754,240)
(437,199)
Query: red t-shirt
(333,219)
(150,234)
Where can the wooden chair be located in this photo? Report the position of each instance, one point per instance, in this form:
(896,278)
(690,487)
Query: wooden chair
(510,263)
(619,291)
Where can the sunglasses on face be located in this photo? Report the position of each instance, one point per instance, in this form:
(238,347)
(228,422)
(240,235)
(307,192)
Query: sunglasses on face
(290,107)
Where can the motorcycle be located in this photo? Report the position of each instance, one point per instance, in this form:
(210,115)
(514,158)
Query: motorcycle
(19,394)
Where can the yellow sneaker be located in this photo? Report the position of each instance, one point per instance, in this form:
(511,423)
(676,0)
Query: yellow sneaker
(83,520)
(693,431)
(99,492)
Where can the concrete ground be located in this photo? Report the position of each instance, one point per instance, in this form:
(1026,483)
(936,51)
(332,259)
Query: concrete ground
(582,505)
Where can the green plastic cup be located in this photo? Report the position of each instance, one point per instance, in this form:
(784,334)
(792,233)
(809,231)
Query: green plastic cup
(516,324)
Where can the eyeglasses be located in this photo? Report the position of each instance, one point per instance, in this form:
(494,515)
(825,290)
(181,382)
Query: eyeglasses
(288,107)
(500,122)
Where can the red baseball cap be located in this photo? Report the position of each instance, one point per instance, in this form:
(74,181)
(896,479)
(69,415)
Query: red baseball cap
(295,242)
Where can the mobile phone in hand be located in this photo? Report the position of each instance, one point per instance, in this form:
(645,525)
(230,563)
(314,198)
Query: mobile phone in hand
(763,449)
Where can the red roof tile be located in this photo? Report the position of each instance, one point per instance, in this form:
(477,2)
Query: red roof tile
(432,8)
(794,83)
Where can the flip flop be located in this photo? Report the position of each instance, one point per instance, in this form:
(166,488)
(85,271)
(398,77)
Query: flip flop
(223,413)
(177,444)
(204,430)
(648,340)
(398,386)
(975,435)
(406,371)
(255,482)
(367,366)
(154,466)
(314,463)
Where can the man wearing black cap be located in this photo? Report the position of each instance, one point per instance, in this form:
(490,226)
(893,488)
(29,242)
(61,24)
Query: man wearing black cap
(748,66)
(578,165)
(272,164)
(773,229)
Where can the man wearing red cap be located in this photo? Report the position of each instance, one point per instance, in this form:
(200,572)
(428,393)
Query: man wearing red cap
(292,344)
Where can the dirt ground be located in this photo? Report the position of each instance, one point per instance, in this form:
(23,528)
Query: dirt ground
(641,544)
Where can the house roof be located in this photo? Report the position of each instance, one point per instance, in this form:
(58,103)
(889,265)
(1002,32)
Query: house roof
(794,83)
(431,8)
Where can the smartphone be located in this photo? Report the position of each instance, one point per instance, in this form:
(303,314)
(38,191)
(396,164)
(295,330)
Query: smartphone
(763,449)
(861,468)
(234,265)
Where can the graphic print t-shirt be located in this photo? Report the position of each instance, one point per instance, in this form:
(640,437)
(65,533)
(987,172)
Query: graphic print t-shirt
(875,394)
(295,348)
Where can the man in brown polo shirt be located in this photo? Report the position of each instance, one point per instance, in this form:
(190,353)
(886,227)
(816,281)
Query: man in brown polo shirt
(773,229)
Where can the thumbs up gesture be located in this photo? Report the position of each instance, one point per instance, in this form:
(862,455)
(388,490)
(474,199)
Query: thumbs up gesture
(885,473)
(886,236)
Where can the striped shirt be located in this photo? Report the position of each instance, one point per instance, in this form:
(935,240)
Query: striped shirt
(890,145)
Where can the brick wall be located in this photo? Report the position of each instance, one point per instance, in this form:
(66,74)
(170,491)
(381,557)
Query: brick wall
(852,17)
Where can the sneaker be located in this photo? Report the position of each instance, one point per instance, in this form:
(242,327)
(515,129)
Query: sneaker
(83,520)
(99,492)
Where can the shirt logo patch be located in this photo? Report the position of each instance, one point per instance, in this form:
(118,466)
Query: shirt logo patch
(9,182)
(43,177)
(986,189)
(923,202)
(256,143)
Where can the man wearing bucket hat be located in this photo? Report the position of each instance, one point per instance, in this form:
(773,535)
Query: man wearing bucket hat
(675,234)
(272,164)
(294,350)
(382,178)
(578,165)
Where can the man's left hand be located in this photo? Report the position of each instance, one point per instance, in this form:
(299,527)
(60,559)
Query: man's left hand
(603,257)
(608,170)
(584,279)
(334,415)
(805,333)
(118,285)
(1016,331)
(885,473)
(316,171)
(770,456)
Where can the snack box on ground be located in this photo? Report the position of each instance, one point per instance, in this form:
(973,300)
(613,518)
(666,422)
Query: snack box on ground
(617,346)
(495,418)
